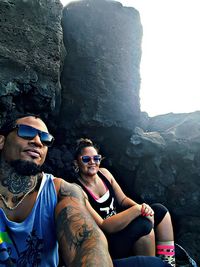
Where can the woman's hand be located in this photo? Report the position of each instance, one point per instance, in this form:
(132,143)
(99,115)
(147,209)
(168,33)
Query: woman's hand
(147,211)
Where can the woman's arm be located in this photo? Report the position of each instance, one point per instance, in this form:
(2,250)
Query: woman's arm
(121,198)
(81,241)
(116,222)
(126,203)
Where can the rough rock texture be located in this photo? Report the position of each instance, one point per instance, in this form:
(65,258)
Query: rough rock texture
(154,159)
(30,55)
(166,163)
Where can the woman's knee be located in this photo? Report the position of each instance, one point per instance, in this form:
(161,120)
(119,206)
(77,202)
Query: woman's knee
(146,226)
(160,212)
(158,207)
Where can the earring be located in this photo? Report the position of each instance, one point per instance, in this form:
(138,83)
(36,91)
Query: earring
(76,169)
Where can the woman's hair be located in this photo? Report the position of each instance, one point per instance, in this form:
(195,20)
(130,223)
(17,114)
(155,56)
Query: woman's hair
(81,144)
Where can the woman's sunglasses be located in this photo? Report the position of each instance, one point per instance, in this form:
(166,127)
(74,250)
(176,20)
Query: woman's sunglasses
(87,159)
(28,133)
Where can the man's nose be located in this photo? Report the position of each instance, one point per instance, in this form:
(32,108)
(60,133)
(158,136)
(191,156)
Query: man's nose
(36,140)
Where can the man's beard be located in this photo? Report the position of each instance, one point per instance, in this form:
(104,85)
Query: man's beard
(25,168)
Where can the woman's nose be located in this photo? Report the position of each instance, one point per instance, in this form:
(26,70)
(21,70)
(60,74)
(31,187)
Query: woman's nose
(91,160)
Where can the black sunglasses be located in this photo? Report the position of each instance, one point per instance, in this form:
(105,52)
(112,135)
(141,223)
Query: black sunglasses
(28,133)
(87,159)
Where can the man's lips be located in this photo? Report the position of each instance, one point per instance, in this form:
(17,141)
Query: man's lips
(34,153)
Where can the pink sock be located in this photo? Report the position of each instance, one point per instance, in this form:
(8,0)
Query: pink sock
(166,251)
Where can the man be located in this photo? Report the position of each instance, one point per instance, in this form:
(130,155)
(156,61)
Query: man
(37,209)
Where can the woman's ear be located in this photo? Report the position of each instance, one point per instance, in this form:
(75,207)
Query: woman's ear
(76,168)
(75,162)
(2,141)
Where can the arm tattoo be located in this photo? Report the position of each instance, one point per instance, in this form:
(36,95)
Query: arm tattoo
(81,235)
(72,225)
(74,192)
(71,221)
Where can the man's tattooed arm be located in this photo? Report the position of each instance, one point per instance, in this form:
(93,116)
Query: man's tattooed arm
(82,243)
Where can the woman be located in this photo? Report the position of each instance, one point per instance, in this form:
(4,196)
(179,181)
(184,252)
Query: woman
(131,228)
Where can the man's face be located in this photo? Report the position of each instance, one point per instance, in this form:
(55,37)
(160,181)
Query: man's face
(16,148)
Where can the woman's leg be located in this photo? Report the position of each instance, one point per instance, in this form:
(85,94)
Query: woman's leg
(145,245)
(136,239)
(164,234)
(164,230)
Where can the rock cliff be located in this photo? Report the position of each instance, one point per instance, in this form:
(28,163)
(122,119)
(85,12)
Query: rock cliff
(92,90)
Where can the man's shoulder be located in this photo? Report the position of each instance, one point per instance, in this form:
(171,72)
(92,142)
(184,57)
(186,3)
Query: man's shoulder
(62,186)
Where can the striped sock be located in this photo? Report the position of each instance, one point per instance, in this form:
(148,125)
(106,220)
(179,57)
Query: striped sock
(166,251)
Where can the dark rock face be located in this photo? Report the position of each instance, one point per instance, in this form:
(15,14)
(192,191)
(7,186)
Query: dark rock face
(30,55)
(167,166)
(101,72)
(153,159)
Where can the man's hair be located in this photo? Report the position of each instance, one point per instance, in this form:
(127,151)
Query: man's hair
(10,122)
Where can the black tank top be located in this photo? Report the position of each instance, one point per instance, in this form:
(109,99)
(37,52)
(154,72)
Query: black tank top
(108,207)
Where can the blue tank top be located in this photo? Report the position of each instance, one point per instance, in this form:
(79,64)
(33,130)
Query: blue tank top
(32,243)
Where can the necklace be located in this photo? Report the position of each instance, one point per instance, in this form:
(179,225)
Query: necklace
(14,207)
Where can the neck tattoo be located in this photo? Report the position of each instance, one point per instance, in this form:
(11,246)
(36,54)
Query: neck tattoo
(18,187)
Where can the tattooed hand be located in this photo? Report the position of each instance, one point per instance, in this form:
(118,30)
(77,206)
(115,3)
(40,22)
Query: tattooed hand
(82,243)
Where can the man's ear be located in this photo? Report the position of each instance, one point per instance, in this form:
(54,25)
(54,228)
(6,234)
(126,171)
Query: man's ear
(2,141)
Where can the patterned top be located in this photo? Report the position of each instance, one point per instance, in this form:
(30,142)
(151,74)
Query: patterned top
(33,241)
(106,206)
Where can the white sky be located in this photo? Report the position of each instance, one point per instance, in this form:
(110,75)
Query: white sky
(170,65)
